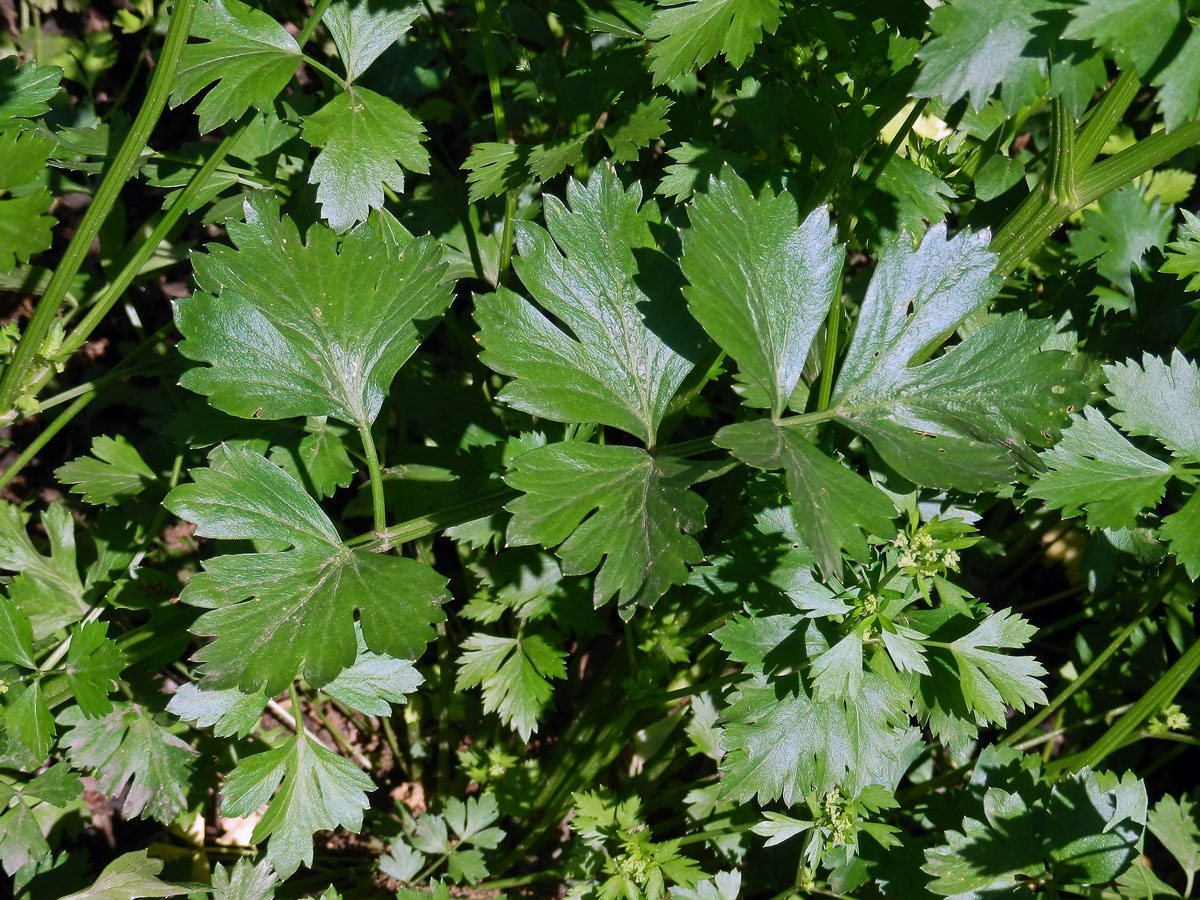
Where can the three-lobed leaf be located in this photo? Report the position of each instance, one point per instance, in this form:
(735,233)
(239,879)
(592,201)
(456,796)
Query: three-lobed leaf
(309,789)
(246,55)
(279,615)
(618,508)
(595,270)
(290,327)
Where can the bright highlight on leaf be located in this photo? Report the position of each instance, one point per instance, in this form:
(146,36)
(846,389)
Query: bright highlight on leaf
(246,55)
(597,272)
(316,327)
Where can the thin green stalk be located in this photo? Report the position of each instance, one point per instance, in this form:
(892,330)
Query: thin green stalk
(1091,670)
(833,323)
(1109,174)
(326,71)
(313,21)
(47,434)
(119,371)
(337,735)
(376,476)
(894,145)
(112,293)
(1103,118)
(501,884)
(482,13)
(1155,699)
(13,381)
(1062,158)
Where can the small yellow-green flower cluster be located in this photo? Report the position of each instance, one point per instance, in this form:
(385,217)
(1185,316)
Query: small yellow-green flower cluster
(921,553)
(838,818)
(1173,718)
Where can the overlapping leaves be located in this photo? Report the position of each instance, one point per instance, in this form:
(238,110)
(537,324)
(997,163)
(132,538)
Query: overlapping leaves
(960,420)
(1098,471)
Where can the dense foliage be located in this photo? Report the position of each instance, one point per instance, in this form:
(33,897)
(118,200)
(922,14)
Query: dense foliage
(602,449)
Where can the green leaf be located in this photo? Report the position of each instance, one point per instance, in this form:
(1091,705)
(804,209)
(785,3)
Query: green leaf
(317,790)
(1095,469)
(363,29)
(906,197)
(16,635)
(759,285)
(979,45)
(834,508)
(133,875)
(114,473)
(58,786)
(291,328)
(551,157)
(630,128)
(365,139)
(515,674)
(777,828)
(1087,831)
(279,615)
(1138,30)
(227,712)
(21,839)
(1158,400)
(243,881)
(781,743)
(47,590)
(1138,882)
(25,229)
(988,679)
(1173,822)
(318,460)
(1181,531)
(28,721)
(689,33)
(24,89)
(1118,234)
(494,168)
(92,667)
(132,757)
(615,507)
(248,55)
(631,344)
(837,674)
(23,156)
(374,682)
(963,418)
(1183,254)
(471,821)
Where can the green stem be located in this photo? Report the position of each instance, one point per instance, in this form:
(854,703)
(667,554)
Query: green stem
(1104,117)
(1062,157)
(1109,174)
(482,13)
(337,735)
(48,433)
(297,710)
(1090,671)
(894,145)
(833,324)
(112,293)
(313,21)
(119,172)
(376,476)
(1042,212)
(501,884)
(1155,699)
(326,71)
